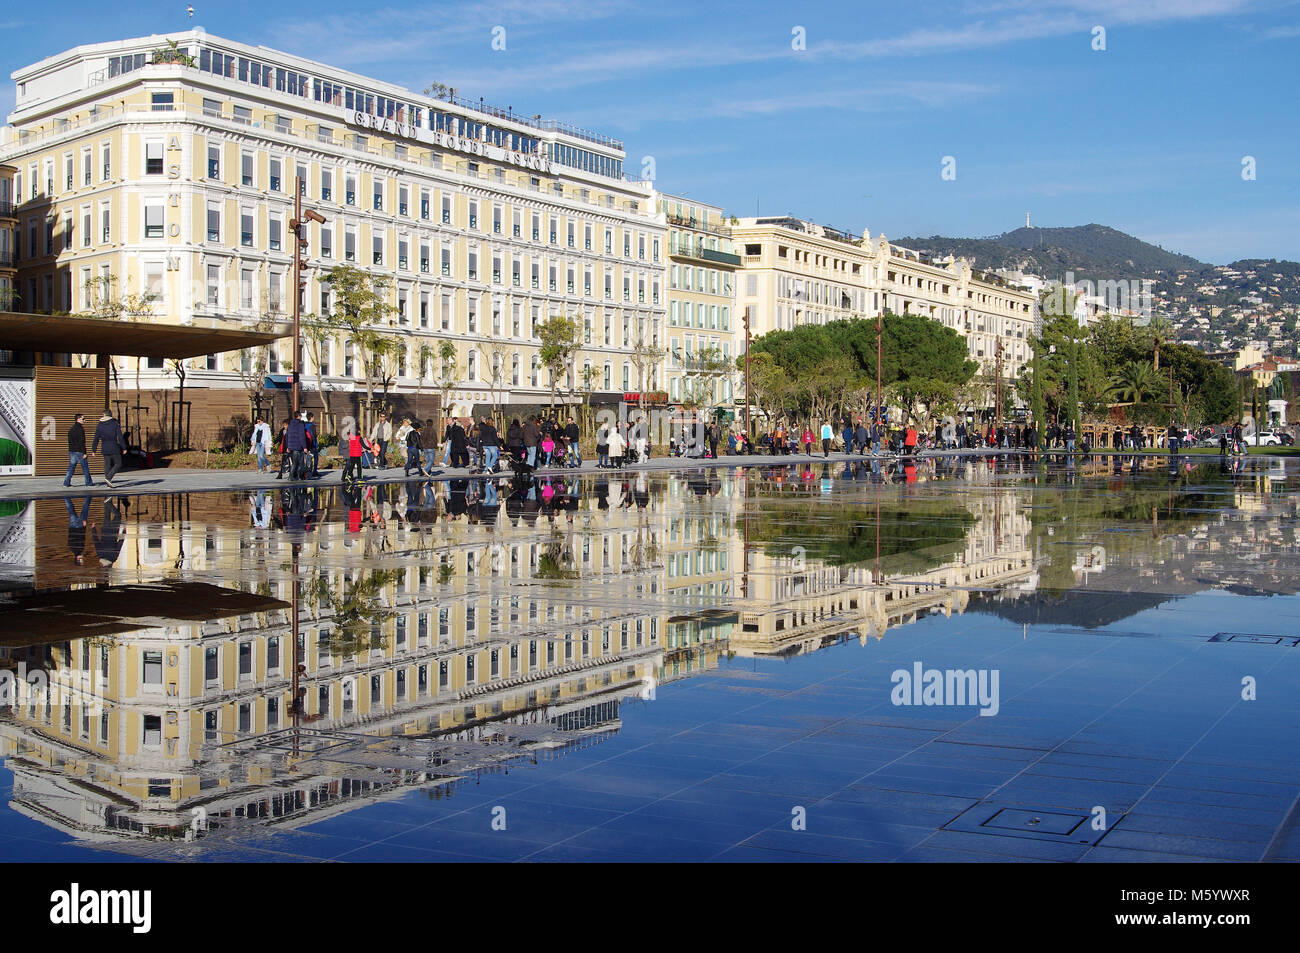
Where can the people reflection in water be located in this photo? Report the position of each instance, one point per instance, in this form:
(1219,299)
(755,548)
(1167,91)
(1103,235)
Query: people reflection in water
(77,522)
(110,533)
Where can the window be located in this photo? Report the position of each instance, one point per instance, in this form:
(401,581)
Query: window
(246,289)
(245,658)
(214,162)
(350,191)
(246,169)
(153,220)
(378,250)
(326,242)
(275,175)
(214,286)
(246,228)
(326,184)
(379,196)
(153,667)
(214,223)
(273,234)
(349,246)
(153,158)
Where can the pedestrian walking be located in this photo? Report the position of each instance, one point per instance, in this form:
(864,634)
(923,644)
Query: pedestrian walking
(828,434)
(615,449)
(380,434)
(602,447)
(356,450)
(77,451)
(532,437)
(109,433)
(295,445)
(572,436)
(261,444)
(313,448)
(414,451)
(491,442)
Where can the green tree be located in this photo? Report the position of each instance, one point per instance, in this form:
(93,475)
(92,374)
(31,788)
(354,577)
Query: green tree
(1135,381)
(560,337)
(361,309)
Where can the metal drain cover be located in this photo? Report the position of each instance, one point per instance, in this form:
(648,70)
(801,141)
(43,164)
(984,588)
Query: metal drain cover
(1000,819)
(1257,638)
(1041,822)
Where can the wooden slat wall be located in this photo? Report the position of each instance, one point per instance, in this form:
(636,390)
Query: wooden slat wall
(61,394)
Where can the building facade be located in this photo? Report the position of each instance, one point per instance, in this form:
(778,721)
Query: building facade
(700,358)
(795,272)
(8,237)
(167,173)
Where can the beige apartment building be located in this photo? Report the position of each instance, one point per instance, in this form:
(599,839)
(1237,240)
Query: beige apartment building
(146,168)
(700,361)
(795,272)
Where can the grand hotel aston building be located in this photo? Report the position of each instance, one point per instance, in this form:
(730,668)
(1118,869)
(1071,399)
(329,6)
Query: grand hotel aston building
(171,171)
(143,168)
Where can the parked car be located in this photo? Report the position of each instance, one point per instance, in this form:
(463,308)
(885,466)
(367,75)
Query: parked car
(1264,438)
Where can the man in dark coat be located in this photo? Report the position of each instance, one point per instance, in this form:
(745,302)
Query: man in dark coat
(109,432)
(532,437)
(295,444)
(459,444)
(491,444)
(414,451)
(571,436)
(77,451)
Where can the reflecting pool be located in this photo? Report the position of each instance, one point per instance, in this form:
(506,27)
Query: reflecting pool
(960,659)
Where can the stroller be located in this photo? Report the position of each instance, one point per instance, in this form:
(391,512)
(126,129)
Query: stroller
(517,458)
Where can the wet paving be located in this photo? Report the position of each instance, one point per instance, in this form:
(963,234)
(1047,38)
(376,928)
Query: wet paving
(951,660)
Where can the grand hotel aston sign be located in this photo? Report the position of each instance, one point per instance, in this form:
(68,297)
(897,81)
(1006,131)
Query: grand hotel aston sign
(450,141)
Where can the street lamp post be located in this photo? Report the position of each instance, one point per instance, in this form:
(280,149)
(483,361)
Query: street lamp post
(300,218)
(880,332)
(746,406)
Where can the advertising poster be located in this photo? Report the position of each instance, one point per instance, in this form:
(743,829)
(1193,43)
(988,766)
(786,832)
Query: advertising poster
(17,426)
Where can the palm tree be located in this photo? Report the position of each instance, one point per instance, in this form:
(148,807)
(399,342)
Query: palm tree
(1134,381)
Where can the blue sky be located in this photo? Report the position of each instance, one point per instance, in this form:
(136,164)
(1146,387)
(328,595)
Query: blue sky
(1147,136)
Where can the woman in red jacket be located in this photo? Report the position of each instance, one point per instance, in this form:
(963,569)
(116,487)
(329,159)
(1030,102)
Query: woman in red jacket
(807,439)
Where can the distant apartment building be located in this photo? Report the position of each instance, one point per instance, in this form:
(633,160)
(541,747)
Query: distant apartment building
(8,237)
(795,272)
(146,168)
(699,361)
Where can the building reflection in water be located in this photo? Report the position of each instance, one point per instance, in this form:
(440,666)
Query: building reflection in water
(444,630)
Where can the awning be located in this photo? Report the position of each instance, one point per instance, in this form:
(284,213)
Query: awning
(70,335)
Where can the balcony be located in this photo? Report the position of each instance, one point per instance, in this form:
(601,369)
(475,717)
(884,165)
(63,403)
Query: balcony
(698,252)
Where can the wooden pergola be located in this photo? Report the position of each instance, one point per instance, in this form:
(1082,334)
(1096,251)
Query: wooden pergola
(56,334)
(61,391)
